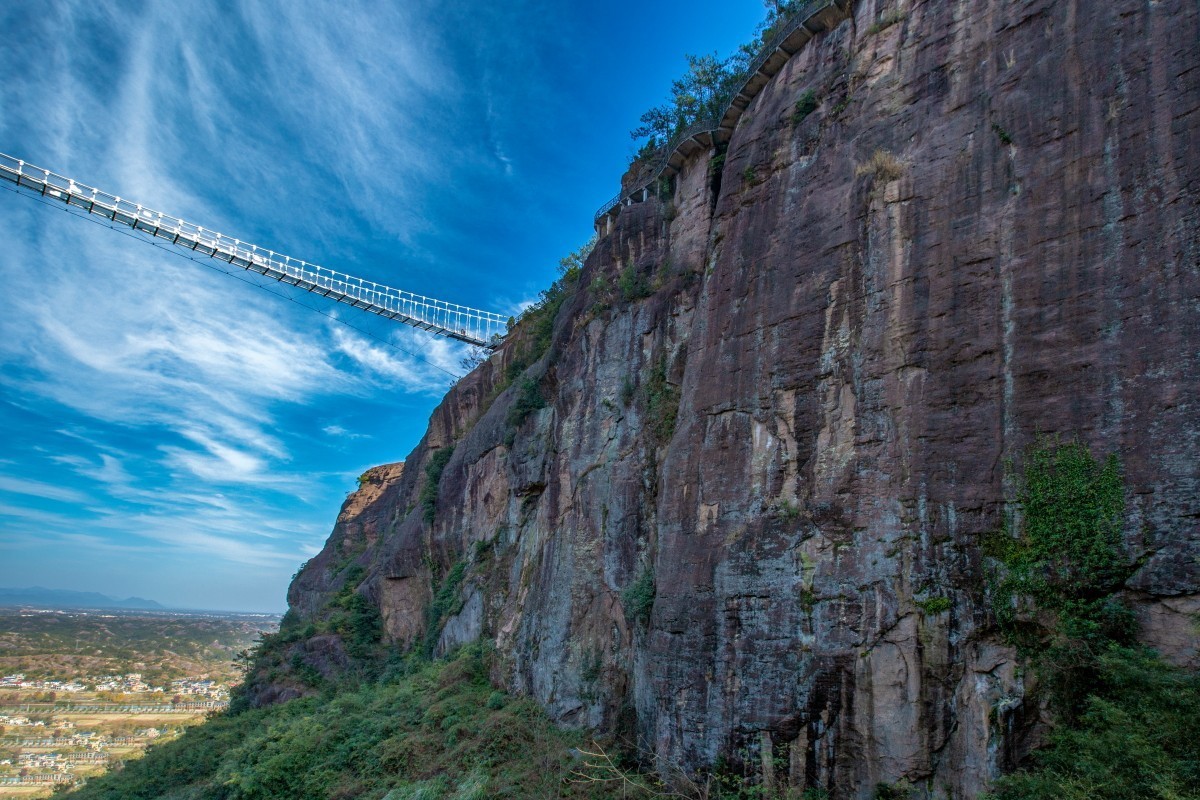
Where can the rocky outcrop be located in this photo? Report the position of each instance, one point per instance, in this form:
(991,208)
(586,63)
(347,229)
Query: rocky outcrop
(780,409)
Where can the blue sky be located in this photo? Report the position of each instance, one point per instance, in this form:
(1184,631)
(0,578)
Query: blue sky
(173,433)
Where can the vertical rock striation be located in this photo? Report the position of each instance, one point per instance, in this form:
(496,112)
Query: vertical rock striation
(719,531)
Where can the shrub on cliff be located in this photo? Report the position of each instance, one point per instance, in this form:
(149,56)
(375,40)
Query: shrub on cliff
(1137,736)
(433,477)
(1129,724)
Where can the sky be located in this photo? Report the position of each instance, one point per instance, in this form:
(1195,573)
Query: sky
(179,434)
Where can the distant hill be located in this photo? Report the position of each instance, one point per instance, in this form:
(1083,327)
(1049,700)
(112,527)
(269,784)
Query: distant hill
(65,598)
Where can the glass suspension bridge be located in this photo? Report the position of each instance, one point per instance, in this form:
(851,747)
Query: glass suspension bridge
(462,323)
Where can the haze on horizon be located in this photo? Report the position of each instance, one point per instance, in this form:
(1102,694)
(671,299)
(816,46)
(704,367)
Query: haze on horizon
(177,435)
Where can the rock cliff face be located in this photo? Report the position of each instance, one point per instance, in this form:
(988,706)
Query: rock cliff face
(780,407)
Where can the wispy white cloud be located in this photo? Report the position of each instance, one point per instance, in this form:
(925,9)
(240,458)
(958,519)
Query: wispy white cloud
(45,491)
(342,433)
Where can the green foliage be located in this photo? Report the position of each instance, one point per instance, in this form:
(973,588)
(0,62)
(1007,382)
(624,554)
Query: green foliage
(446,603)
(627,389)
(570,266)
(432,733)
(632,284)
(1067,557)
(639,596)
(362,479)
(529,399)
(1138,736)
(538,323)
(804,106)
(661,401)
(901,790)
(1129,724)
(705,89)
(433,476)
(934,605)
(1001,134)
(750,175)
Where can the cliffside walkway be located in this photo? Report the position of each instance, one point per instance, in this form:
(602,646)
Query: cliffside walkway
(805,23)
(470,325)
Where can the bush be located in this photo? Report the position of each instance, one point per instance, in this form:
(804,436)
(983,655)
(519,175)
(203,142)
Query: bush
(804,106)
(934,605)
(1138,736)
(433,476)
(661,401)
(529,399)
(633,284)
(639,597)
(446,603)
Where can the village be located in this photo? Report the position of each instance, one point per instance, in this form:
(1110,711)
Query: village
(55,732)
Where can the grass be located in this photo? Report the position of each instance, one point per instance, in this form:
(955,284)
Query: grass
(882,166)
(885,21)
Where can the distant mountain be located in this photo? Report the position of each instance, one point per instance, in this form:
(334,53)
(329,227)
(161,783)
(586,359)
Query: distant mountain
(65,598)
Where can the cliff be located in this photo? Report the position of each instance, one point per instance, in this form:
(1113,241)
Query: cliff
(779,410)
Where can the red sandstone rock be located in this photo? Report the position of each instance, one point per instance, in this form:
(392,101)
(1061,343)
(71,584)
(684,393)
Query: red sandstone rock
(857,353)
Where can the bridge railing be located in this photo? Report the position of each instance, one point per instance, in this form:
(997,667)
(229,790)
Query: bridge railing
(447,319)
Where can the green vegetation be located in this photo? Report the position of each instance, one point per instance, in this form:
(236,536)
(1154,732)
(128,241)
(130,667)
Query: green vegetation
(1067,558)
(934,605)
(804,106)
(435,730)
(661,403)
(529,399)
(537,321)
(1137,736)
(446,603)
(705,89)
(433,476)
(639,596)
(1129,724)
(632,284)
(1001,134)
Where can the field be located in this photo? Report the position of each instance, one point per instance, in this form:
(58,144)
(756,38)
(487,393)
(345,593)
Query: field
(81,691)
(162,646)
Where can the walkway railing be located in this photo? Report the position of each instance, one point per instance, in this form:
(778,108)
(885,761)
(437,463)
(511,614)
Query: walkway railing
(470,325)
(727,119)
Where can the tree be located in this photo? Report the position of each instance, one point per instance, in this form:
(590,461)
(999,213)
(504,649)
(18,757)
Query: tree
(570,265)
(701,93)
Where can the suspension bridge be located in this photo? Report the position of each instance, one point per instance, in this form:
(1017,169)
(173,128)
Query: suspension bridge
(462,323)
